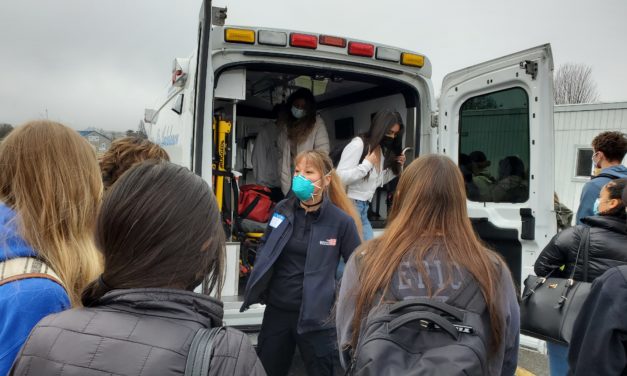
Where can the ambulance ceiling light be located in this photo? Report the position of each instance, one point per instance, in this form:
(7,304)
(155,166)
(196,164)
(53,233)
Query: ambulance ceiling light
(272,38)
(388,54)
(239,36)
(360,49)
(328,40)
(303,40)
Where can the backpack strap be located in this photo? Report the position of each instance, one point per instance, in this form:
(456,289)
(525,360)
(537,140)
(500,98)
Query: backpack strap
(20,268)
(200,352)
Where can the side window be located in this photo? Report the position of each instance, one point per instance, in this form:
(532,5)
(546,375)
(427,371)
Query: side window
(494,146)
(584,167)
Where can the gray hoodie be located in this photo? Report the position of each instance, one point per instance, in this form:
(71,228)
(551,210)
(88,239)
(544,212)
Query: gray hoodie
(407,283)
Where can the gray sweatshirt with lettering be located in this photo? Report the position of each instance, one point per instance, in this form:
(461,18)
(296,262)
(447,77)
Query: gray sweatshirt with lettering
(407,283)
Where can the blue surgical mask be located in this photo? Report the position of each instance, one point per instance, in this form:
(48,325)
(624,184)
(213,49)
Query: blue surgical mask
(595,209)
(303,188)
(297,112)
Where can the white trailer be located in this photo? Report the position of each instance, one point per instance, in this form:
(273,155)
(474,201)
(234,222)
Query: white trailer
(503,107)
(575,127)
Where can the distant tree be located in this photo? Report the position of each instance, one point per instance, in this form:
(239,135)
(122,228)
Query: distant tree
(5,129)
(573,83)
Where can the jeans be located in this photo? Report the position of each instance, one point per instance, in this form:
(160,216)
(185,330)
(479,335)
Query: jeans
(362,209)
(558,359)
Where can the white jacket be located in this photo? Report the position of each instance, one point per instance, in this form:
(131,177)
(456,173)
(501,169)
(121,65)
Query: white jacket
(353,173)
(318,139)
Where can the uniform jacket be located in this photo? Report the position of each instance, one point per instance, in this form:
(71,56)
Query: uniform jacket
(333,235)
(134,332)
(608,236)
(23,302)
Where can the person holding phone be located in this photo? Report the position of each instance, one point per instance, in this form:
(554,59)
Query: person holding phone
(371,160)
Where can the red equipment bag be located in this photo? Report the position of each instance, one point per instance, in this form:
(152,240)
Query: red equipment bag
(255,203)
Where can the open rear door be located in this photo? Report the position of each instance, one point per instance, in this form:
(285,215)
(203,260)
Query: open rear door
(496,121)
(202,144)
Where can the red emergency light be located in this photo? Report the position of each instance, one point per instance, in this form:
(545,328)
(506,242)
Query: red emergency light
(303,40)
(328,40)
(360,49)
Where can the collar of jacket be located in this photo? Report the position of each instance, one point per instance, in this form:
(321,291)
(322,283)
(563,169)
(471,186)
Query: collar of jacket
(291,204)
(609,222)
(167,303)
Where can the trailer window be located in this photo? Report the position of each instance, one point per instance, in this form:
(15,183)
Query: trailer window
(585,166)
(494,146)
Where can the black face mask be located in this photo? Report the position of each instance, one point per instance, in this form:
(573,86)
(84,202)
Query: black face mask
(387,142)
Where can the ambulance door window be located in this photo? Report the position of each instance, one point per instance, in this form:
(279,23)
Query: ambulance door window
(494,146)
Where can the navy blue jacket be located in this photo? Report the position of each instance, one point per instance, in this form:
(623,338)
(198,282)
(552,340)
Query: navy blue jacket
(333,235)
(599,342)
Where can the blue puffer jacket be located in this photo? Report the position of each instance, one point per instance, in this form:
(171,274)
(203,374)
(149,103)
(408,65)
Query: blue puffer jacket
(333,235)
(24,302)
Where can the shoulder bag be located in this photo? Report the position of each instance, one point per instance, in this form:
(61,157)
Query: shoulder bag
(550,305)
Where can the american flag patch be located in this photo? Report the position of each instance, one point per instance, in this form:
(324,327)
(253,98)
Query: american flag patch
(330,242)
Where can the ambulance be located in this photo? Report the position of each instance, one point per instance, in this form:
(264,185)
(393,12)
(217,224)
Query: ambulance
(493,113)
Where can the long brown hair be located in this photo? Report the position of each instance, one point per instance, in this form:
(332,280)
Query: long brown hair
(49,176)
(299,129)
(336,190)
(126,152)
(159,226)
(430,207)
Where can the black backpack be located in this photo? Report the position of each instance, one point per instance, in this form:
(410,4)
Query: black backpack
(336,153)
(423,336)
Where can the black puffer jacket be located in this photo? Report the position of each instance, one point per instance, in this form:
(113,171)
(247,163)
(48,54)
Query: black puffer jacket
(134,332)
(608,248)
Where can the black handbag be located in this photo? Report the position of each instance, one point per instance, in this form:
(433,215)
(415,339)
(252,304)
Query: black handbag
(550,305)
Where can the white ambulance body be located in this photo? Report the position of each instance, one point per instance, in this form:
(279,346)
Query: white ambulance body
(502,108)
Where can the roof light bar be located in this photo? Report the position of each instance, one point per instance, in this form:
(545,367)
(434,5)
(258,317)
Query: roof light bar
(360,49)
(328,40)
(272,38)
(388,54)
(239,36)
(412,60)
(303,40)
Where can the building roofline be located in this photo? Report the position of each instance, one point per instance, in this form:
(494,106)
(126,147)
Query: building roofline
(590,107)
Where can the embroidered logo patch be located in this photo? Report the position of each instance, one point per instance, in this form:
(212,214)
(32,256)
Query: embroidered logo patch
(331,242)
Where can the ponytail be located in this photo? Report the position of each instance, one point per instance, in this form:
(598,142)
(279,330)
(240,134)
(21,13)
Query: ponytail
(337,194)
(94,291)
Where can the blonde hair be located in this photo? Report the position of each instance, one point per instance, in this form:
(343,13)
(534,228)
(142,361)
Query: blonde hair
(336,190)
(50,177)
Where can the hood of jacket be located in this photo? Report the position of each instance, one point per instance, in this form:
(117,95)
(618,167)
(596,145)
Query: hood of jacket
(619,170)
(608,222)
(12,244)
(167,303)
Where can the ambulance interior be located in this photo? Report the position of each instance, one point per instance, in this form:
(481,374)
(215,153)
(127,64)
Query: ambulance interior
(346,102)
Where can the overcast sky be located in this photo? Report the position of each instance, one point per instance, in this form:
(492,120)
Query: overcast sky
(100,63)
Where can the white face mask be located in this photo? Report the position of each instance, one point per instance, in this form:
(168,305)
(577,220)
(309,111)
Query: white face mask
(297,112)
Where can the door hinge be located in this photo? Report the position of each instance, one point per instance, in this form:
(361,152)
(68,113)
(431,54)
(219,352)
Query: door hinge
(530,67)
(218,16)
